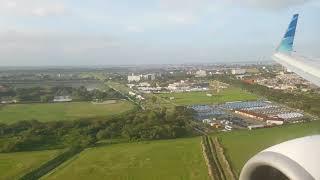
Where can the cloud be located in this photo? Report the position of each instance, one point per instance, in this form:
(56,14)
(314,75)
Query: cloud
(269,4)
(49,48)
(39,8)
(182,18)
(135,29)
(198,5)
(184,11)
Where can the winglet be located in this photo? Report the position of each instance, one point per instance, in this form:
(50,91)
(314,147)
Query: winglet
(286,45)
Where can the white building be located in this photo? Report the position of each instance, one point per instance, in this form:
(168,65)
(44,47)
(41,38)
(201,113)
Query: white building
(140,97)
(275,122)
(132,93)
(149,77)
(178,87)
(144,84)
(201,73)
(238,71)
(134,78)
(62,99)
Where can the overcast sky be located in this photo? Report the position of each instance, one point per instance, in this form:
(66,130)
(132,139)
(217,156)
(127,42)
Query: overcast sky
(104,32)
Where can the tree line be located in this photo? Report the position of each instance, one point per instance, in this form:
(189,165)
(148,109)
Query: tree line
(47,94)
(134,126)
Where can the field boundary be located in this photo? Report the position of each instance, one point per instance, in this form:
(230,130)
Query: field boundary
(230,175)
(51,164)
(206,158)
(214,167)
(218,165)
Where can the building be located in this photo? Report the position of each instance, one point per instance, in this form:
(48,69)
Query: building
(250,114)
(134,78)
(8,101)
(249,81)
(274,122)
(238,71)
(144,84)
(62,99)
(178,87)
(149,77)
(140,97)
(132,93)
(251,127)
(201,73)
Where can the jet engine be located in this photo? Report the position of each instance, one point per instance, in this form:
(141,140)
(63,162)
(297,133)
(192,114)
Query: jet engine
(297,159)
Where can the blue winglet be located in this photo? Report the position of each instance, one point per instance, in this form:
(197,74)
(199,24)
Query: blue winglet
(286,45)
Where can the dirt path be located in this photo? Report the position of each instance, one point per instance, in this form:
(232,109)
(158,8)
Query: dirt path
(223,160)
(218,165)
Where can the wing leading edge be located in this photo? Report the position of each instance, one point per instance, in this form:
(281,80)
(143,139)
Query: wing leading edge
(301,66)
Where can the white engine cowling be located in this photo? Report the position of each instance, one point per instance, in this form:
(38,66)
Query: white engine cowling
(298,159)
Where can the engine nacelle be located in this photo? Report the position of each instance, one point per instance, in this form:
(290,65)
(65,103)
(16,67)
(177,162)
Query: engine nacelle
(298,159)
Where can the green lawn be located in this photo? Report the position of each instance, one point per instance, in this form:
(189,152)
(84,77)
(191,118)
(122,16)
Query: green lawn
(167,159)
(14,165)
(60,111)
(226,95)
(240,146)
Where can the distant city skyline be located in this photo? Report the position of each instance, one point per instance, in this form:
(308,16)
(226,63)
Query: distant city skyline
(110,32)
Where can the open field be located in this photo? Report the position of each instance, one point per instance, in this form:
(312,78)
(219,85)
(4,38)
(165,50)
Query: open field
(60,111)
(14,165)
(166,159)
(240,146)
(226,95)
(118,86)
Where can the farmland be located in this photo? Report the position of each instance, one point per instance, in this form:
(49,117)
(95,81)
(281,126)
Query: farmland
(60,111)
(14,165)
(240,146)
(165,159)
(226,95)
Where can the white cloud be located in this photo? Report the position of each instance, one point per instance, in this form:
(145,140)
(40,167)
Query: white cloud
(181,18)
(270,3)
(135,29)
(198,5)
(39,8)
(49,48)
(185,11)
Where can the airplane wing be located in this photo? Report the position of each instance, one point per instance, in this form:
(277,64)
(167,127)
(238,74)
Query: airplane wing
(296,159)
(306,68)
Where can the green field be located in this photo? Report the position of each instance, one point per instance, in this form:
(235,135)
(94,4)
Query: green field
(60,111)
(14,165)
(226,95)
(240,146)
(118,86)
(167,159)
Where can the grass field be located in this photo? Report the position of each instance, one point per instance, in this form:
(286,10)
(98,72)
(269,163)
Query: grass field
(167,159)
(226,95)
(118,86)
(60,111)
(14,165)
(240,146)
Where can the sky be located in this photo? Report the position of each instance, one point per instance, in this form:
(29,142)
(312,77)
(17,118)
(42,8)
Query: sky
(119,32)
